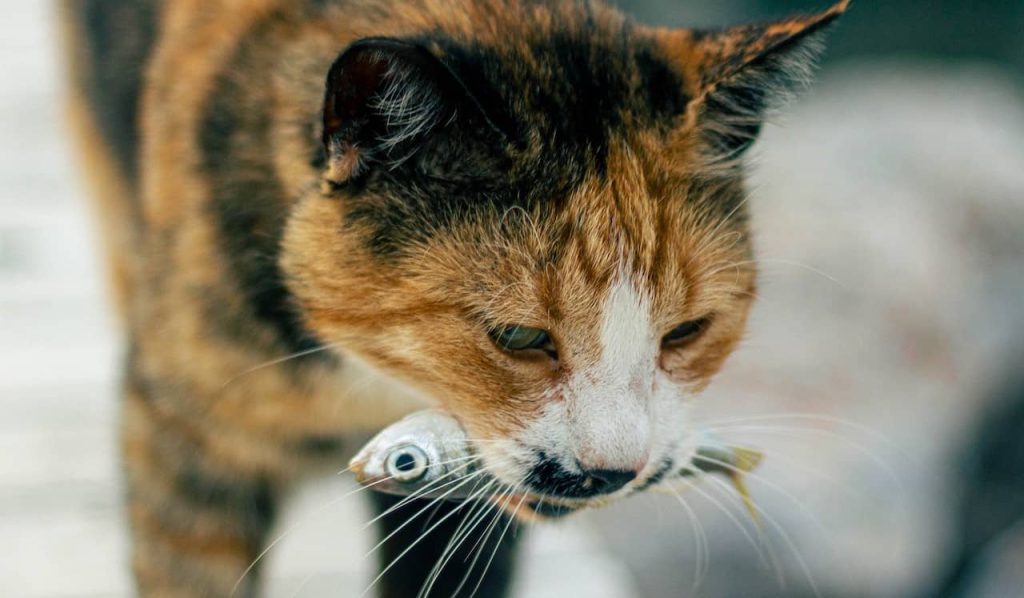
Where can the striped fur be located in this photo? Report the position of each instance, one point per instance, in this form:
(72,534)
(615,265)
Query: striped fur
(315,211)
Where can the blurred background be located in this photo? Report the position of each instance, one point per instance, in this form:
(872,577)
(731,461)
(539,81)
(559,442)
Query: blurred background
(883,374)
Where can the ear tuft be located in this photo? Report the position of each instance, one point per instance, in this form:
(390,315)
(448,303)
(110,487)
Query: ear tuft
(745,71)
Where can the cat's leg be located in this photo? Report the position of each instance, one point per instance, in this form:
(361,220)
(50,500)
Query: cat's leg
(479,566)
(197,520)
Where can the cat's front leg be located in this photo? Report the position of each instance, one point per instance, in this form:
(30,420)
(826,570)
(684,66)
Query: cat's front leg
(198,521)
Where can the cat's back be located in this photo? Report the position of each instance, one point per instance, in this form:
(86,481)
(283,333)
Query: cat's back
(152,84)
(111,46)
(109,43)
(107,46)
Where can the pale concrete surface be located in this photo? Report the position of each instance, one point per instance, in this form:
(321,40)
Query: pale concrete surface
(889,212)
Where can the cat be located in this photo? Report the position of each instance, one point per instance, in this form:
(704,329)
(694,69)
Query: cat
(321,215)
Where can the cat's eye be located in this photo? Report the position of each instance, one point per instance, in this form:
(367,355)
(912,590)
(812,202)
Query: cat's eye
(685,333)
(522,338)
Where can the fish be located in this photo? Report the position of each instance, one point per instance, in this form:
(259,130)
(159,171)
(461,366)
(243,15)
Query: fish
(428,455)
(421,454)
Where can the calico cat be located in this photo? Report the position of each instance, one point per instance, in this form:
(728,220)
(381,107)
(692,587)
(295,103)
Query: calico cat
(323,214)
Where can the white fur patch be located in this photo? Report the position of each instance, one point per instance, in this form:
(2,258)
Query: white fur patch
(609,400)
(627,344)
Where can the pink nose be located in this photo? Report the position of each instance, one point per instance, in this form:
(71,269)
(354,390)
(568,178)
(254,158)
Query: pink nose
(590,461)
(614,439)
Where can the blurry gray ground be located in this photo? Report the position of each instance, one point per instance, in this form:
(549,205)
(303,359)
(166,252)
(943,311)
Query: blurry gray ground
(889,210)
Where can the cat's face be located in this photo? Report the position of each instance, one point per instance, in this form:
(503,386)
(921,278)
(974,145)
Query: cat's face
(564,284)
(581,339)
(565,341)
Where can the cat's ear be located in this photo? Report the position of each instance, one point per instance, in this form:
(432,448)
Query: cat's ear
(739,73)
(390,103)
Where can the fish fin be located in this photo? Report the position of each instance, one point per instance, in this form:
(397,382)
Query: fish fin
(746,460)
(740,485)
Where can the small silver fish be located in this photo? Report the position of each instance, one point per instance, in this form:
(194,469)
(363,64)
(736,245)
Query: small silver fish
(428,454)
(424,454)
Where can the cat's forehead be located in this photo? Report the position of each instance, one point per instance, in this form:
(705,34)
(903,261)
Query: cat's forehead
(659,238)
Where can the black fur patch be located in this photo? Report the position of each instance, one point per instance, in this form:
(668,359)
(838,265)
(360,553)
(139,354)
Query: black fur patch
(548,477)
(658,476)
(252,502)
(249,207)
(118,37)
(319,446)
(588,87)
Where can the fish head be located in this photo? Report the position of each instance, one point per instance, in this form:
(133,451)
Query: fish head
(408,456)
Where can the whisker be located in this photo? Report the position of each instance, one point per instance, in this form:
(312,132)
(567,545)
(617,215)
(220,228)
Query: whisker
(478,547)
(786,262)
(497,516)
(295,526)
(789,542)
(462,532)
(279,361)
(809,268)
(817,417)
(860,448)
(497,545)
(789,464)
(495,519)
(303,585)
(700,541)
(729,514)
(729,495)
(431,487)
(802,506)
(449,550)
(412,545)
(431,517)
(461,482)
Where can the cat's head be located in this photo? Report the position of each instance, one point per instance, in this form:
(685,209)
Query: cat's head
(539,221)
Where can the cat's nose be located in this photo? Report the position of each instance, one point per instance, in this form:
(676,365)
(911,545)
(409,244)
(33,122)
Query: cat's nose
(550,478)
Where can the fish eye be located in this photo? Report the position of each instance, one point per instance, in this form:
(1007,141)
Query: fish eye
(522,338)
(407,464)
(685,333)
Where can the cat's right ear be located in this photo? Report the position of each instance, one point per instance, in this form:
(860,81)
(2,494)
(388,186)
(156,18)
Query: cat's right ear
(387,103)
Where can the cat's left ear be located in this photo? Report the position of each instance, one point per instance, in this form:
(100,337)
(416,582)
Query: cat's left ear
(737,74)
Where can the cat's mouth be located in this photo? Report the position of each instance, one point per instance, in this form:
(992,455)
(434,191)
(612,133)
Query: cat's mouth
(533,508)
(543,509)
